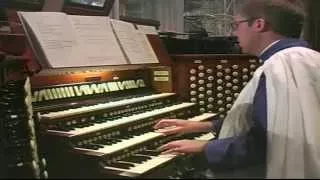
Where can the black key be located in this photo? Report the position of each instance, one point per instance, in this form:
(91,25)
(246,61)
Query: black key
(122,165)
(128,136)
(150,152)
(92,146)
(136,158)
(109,141)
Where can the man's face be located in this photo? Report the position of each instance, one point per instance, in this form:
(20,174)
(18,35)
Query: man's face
(244,33)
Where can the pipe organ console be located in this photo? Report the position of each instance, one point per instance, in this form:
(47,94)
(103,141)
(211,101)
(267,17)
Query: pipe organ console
(98,122)
(212,81)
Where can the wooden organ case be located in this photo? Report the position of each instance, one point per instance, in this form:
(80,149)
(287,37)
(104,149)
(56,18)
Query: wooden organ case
(213,81)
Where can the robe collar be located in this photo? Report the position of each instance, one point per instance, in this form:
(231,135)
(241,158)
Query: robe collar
(280,45)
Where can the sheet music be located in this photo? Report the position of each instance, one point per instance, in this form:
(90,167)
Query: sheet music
(55,36)
(147,29)
(134,43)
(68,41)
(97,40)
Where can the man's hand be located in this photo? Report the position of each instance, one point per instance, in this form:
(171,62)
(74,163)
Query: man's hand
(174,126)
(183,147)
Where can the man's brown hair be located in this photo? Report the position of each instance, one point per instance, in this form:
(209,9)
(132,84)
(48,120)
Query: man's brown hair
(283,17)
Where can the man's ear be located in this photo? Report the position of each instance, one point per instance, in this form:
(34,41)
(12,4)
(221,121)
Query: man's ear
(260,25)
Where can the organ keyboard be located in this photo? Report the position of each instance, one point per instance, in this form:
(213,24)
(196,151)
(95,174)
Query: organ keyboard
(100,120)
(103,144)
(145,160)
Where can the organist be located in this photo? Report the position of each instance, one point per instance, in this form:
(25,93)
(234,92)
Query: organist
(273,124)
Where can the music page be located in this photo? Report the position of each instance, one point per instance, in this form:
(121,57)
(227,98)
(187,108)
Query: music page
(56,37)
(97,40)
(134,43)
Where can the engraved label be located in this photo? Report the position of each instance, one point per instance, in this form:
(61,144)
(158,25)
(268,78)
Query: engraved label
(122,85)
(71,91)
(87,90)
(113,86)
(58,91)
(96,89)
(49,94)
(66,90)
(161,79)
(63,92)
(43,95)
(54,93)
(131,84)
(78,91)
(161,73)
(141,83)
(104,87)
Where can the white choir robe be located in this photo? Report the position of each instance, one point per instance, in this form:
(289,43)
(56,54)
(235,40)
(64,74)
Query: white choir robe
(293,113)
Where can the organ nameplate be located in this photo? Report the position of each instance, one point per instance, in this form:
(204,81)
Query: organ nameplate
(161,73)
(161,79)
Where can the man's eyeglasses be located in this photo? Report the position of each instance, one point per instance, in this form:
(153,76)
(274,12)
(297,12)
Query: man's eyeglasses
(235,24)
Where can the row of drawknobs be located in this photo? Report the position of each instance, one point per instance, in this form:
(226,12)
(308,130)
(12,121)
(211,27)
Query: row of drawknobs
(19,147)
(215,87)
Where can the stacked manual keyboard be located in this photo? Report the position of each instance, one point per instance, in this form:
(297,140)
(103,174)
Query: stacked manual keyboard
(116,138)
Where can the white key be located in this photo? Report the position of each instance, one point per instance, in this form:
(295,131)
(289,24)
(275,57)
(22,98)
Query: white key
(87,109)
(202,117)
(205,137)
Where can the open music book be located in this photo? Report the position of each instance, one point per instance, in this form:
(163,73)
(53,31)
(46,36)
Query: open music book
(61,40)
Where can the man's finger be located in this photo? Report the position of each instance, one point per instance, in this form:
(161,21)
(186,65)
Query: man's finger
(164,147)
(168,130)
(164,123)
(170,151)
(169,145)
(174,151)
